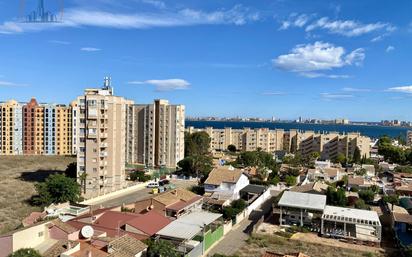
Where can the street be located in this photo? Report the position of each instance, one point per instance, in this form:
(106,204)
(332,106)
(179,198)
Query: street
(140,194)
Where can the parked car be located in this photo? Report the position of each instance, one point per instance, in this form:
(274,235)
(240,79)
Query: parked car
(153,185)
(163,182)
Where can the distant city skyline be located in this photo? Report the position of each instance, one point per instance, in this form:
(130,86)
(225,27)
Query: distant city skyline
(287,59)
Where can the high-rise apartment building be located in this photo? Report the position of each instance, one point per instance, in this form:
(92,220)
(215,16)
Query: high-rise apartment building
(99,120)
(155,134)
(11,128)
(329,145)
(409,137)
(33,128)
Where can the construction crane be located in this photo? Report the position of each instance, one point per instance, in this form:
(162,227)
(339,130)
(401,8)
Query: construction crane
(41,15)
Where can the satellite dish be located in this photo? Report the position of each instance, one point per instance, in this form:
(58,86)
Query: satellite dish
(87,231)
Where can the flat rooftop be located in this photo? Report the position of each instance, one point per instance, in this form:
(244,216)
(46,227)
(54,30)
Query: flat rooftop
(303,201)
(350,215)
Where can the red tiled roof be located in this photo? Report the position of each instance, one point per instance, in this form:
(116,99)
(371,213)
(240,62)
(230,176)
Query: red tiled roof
(114,219)
(109,231)
(149,223)
(182,204)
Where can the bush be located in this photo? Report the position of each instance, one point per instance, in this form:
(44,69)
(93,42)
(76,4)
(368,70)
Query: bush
(236,207)
(360,204)
(367,195)
(139,176)
(199,190)
(290,180)
(57,189)
(25,252)
(259,182)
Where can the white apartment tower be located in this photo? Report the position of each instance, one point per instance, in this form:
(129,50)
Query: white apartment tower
(99,122)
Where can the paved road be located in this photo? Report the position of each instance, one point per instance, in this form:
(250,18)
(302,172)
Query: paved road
(140,194)
(235,239)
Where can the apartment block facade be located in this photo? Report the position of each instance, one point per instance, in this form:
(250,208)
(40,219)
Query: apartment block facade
(35,129)
(155,134)
(11,128)
(329,145)
(100,136)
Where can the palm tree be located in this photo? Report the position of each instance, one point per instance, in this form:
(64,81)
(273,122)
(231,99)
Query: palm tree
(82,178)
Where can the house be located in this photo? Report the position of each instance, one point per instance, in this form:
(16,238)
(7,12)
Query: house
(301,208)
(40,236)
(272,254)
(114,223)
(326,174)
(351,223)
(402,226)
(194,233)
(311,188)
(369,169)
(225,183)
(404,190)
(172,203)
(356,182)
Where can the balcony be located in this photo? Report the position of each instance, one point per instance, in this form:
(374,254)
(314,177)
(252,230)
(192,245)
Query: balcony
(104,145)
(103,154)
(103,135)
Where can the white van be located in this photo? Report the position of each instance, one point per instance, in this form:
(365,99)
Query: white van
(153,185)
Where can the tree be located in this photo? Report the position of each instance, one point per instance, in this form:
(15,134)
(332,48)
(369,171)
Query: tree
(356,155)
(25,252)
(71,170)
(367,195)
(340,159)
(392,199)
(360,172)
(161,248)
(57,189)
(290,180)
(196,166)
(360,204)
(82,178)
(197,143)
(139,176)
(236,207)
(275,180)
(335,196)
(231,148)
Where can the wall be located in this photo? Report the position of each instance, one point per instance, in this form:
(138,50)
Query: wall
(30,237)
(259,201)
(212,237)
(6,245)
(227,227)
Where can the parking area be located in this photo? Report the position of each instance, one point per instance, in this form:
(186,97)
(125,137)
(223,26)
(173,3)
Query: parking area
(140,194)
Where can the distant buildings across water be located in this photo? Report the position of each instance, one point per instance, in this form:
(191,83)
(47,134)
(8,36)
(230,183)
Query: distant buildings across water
(366,130)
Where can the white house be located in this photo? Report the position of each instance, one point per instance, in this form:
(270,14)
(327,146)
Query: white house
(225,183)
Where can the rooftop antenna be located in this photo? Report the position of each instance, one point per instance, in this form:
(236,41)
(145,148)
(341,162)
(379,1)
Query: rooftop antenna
(107,84)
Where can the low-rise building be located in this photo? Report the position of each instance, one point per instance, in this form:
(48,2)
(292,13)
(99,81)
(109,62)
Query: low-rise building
(224,183)
(301,208)
(351,223)
(171,204)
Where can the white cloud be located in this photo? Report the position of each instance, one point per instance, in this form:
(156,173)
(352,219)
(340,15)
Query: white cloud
(352,89)
(273,93)
(330,97)
(349,28)
(164,84)
(155,3)
(90,49)
(401,89)
(309,59)
(390,49)
(59,42)
(11,84)
(295,20)
(237,15)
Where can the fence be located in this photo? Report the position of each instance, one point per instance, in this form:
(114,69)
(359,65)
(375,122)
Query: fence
(259,201)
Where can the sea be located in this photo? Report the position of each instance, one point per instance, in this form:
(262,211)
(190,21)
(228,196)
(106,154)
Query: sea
(367,130)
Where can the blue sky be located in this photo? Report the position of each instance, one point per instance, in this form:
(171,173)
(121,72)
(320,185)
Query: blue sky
(319,59)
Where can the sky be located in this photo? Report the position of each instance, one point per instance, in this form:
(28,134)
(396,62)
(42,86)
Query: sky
(267,58)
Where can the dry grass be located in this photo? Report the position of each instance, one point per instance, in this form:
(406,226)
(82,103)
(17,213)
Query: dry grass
(258,244)
(18,174)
